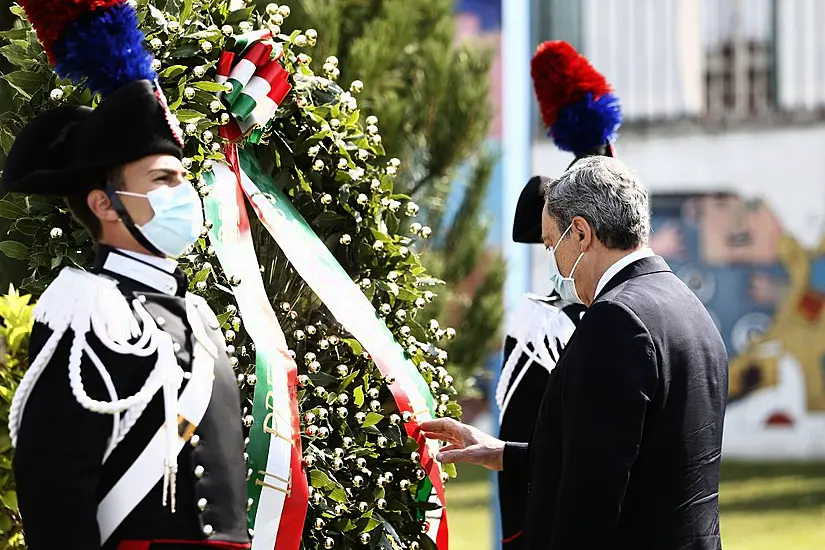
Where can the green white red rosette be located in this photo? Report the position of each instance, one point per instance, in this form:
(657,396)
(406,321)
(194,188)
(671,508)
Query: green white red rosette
(258,82)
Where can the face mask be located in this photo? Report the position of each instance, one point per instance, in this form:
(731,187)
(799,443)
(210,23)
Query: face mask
(178,218)
(565,286)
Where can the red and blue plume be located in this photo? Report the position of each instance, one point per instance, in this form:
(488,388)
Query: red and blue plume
(93,42)
(577,104)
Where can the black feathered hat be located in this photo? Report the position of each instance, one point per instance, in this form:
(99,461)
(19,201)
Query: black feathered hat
(582,114)
(67,151)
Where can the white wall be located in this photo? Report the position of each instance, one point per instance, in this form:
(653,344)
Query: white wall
(786,167)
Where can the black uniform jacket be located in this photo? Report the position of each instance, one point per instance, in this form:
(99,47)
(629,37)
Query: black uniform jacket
(518,418)
(59,467)
(627,446)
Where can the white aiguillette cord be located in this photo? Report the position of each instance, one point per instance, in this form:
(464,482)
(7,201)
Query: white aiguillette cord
(172,379)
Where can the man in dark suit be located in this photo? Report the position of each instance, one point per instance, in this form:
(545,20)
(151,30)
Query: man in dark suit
(628,439)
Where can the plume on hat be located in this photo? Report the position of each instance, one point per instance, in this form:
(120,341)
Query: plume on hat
(577,104)
(92,42)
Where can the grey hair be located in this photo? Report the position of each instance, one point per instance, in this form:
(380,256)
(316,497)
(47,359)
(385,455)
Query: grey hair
(603,191)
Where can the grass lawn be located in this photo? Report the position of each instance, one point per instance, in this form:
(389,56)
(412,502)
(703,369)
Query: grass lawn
(773,506)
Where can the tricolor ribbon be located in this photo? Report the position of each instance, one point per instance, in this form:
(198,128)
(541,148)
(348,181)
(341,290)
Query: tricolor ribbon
(321,271)
(259,85)
(278,485)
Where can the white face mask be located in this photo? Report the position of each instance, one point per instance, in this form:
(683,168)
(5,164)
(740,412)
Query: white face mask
(178,218)
(565,286)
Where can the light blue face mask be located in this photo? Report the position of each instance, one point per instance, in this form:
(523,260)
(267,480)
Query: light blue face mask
(565,286)
(178,218)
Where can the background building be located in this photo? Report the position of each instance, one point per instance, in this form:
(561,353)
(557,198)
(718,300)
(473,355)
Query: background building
(725,107)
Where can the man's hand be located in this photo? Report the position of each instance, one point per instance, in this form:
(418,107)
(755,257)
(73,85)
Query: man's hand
(465,443)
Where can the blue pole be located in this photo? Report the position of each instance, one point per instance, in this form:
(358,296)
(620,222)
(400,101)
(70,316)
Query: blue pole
(516,170)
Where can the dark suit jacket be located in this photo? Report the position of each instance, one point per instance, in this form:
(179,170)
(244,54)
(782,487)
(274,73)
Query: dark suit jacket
(627,446)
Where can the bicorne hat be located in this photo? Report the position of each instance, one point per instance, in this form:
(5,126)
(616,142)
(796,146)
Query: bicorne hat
(581,113)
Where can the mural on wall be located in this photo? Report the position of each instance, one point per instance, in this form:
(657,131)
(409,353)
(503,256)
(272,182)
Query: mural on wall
(766,293)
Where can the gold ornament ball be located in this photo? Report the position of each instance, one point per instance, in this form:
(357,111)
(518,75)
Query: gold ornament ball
(301,41)
(206,46)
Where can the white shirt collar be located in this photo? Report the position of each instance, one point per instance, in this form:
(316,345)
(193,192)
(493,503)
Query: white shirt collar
(152,271)
(621,264)
(167,264)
